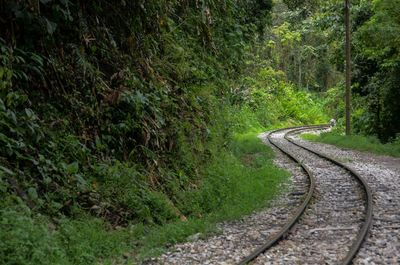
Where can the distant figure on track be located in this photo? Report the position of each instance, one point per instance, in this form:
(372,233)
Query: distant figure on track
(332,122)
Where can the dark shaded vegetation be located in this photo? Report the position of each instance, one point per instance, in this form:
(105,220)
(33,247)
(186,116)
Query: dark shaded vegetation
(126,126)
(377,67)
(316,61)
(95,94)
(117,118)
(235,183)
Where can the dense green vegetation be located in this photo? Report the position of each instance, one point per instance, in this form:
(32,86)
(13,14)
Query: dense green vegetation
(357,142)
(97,96)
(316,61)
(234,184)
(126,126)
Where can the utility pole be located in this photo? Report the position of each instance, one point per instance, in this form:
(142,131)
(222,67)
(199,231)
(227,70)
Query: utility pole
(348,67)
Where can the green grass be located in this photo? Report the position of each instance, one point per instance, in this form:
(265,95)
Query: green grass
(236,184)
(238,181)
(357,142)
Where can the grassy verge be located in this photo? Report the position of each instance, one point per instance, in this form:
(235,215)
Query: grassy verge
(238,181)
(357,142)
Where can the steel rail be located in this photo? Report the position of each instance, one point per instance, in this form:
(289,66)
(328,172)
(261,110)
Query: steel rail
(282,233)
(285,230)
(368,220)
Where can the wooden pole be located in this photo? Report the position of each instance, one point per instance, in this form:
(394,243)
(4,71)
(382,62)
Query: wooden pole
(348,68)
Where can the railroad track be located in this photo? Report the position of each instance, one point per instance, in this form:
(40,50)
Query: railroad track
(331,208)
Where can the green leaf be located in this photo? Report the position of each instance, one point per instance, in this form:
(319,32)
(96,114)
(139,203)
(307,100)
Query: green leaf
(141,98)
(2,105)
(6,170)
(81,182)
(72,168)
(32,193)
(55,205)
(51,26)
(29,113)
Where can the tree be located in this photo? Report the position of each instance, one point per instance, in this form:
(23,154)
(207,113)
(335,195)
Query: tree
(348,67)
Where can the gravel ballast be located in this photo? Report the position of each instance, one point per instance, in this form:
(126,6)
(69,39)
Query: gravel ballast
(327,228)
(382,173)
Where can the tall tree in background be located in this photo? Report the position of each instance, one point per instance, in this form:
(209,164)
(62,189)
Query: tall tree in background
(348,67)
(377,49)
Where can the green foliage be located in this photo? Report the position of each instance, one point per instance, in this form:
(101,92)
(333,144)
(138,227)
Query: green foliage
(238,181)
(224,186)
(89,240)
(84,241)
(29,238)
(378,66)
(130,196)
(317,61)
(119,119)
(96,85)
(270,100)
(378,36)
(334,103)
(250,180)
(302,46)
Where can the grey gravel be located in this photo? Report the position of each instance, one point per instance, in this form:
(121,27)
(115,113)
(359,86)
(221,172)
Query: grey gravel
(331,222)
(327,228)
(382,174)
(238,238)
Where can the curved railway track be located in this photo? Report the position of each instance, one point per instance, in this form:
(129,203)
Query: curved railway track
(355,243)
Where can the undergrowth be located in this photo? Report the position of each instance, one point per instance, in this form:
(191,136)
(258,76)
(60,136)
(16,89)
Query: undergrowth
(126,126)
(357,142)
(240,180)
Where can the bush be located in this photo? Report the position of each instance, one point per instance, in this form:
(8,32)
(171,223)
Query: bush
(24,240)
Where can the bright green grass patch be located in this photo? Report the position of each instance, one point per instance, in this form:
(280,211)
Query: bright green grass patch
(29,239)
(357,142)
(310,136)
(239,180)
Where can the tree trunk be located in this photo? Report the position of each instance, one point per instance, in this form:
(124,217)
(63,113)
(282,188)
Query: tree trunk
(348,68)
